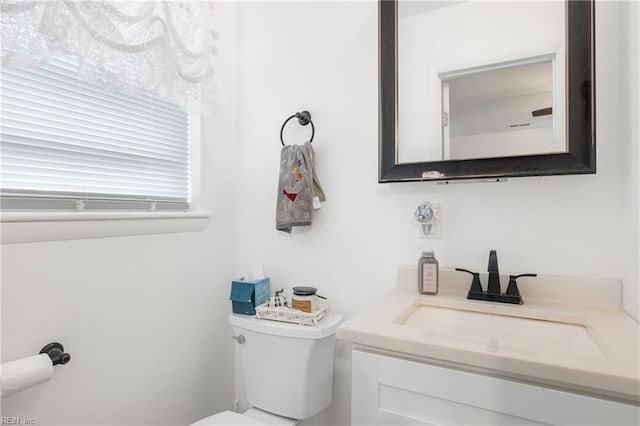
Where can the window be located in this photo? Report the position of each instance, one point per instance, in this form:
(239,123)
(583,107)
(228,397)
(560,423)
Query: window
(70,145)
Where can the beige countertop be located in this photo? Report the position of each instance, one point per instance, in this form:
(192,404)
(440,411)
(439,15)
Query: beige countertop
(569,333)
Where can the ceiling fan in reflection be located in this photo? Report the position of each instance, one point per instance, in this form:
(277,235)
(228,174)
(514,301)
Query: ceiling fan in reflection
(542,112)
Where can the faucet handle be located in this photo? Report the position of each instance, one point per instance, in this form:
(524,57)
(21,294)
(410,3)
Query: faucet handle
(512,288)
(476,287)
(515,277)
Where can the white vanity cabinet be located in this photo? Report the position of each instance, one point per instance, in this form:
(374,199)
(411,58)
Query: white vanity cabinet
(393,391)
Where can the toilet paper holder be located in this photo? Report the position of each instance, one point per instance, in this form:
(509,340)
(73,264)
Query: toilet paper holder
(56,352)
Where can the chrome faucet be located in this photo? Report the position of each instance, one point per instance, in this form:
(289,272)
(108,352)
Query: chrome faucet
(494,292)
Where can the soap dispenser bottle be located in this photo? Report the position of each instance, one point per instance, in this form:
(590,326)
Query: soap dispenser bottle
(428,273)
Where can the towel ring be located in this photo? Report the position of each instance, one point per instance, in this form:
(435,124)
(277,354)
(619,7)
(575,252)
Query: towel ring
(304,118)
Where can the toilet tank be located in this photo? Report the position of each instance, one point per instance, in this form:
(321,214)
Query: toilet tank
(288,368)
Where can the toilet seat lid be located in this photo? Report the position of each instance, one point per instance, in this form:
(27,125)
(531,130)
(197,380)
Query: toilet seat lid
(229,418)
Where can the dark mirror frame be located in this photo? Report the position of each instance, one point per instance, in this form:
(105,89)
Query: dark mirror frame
(580,105)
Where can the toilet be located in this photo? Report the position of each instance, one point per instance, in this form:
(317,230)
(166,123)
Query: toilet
(288,370)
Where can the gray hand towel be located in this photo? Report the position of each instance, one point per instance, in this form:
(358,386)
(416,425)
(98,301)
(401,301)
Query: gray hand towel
(297,185)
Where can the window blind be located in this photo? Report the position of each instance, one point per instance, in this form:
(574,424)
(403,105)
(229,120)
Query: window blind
(69,144)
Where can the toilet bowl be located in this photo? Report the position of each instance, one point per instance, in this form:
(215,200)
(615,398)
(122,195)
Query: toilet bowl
(251,417)
(288,370)
(229,418)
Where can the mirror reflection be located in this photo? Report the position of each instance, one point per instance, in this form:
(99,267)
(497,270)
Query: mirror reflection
(489,88)
(500,112)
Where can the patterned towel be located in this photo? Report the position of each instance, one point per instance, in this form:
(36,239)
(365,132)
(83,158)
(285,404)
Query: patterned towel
(297,187)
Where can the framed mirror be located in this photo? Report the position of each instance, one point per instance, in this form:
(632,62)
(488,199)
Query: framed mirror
(485,90)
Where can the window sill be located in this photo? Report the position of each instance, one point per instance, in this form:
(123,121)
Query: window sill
(26,227)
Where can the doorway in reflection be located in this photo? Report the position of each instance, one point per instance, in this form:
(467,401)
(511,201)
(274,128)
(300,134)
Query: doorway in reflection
(500,110)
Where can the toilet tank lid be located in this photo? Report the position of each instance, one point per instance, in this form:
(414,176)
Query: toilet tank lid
(326,327)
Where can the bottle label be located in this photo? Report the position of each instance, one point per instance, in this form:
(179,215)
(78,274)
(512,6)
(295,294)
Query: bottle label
(301,305)
(429,277)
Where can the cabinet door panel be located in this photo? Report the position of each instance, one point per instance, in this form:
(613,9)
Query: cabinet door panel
(384,388)
(438,411)
(528,401)
(390,418)
(364,389)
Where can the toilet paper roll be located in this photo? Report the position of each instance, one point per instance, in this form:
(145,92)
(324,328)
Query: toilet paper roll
(24,373)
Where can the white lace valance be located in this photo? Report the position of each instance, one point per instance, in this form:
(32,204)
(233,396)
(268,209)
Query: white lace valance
(165,48)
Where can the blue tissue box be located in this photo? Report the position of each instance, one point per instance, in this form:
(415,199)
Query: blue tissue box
(247,294)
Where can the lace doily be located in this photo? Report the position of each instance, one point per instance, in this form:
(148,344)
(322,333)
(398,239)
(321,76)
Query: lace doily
(164,48)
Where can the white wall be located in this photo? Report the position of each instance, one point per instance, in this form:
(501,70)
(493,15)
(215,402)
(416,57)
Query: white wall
(322,56)
(502,144)
(143,317)
(630,138)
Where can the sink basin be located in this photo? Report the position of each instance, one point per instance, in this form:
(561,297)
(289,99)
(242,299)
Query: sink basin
(499,331)
(570,333)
